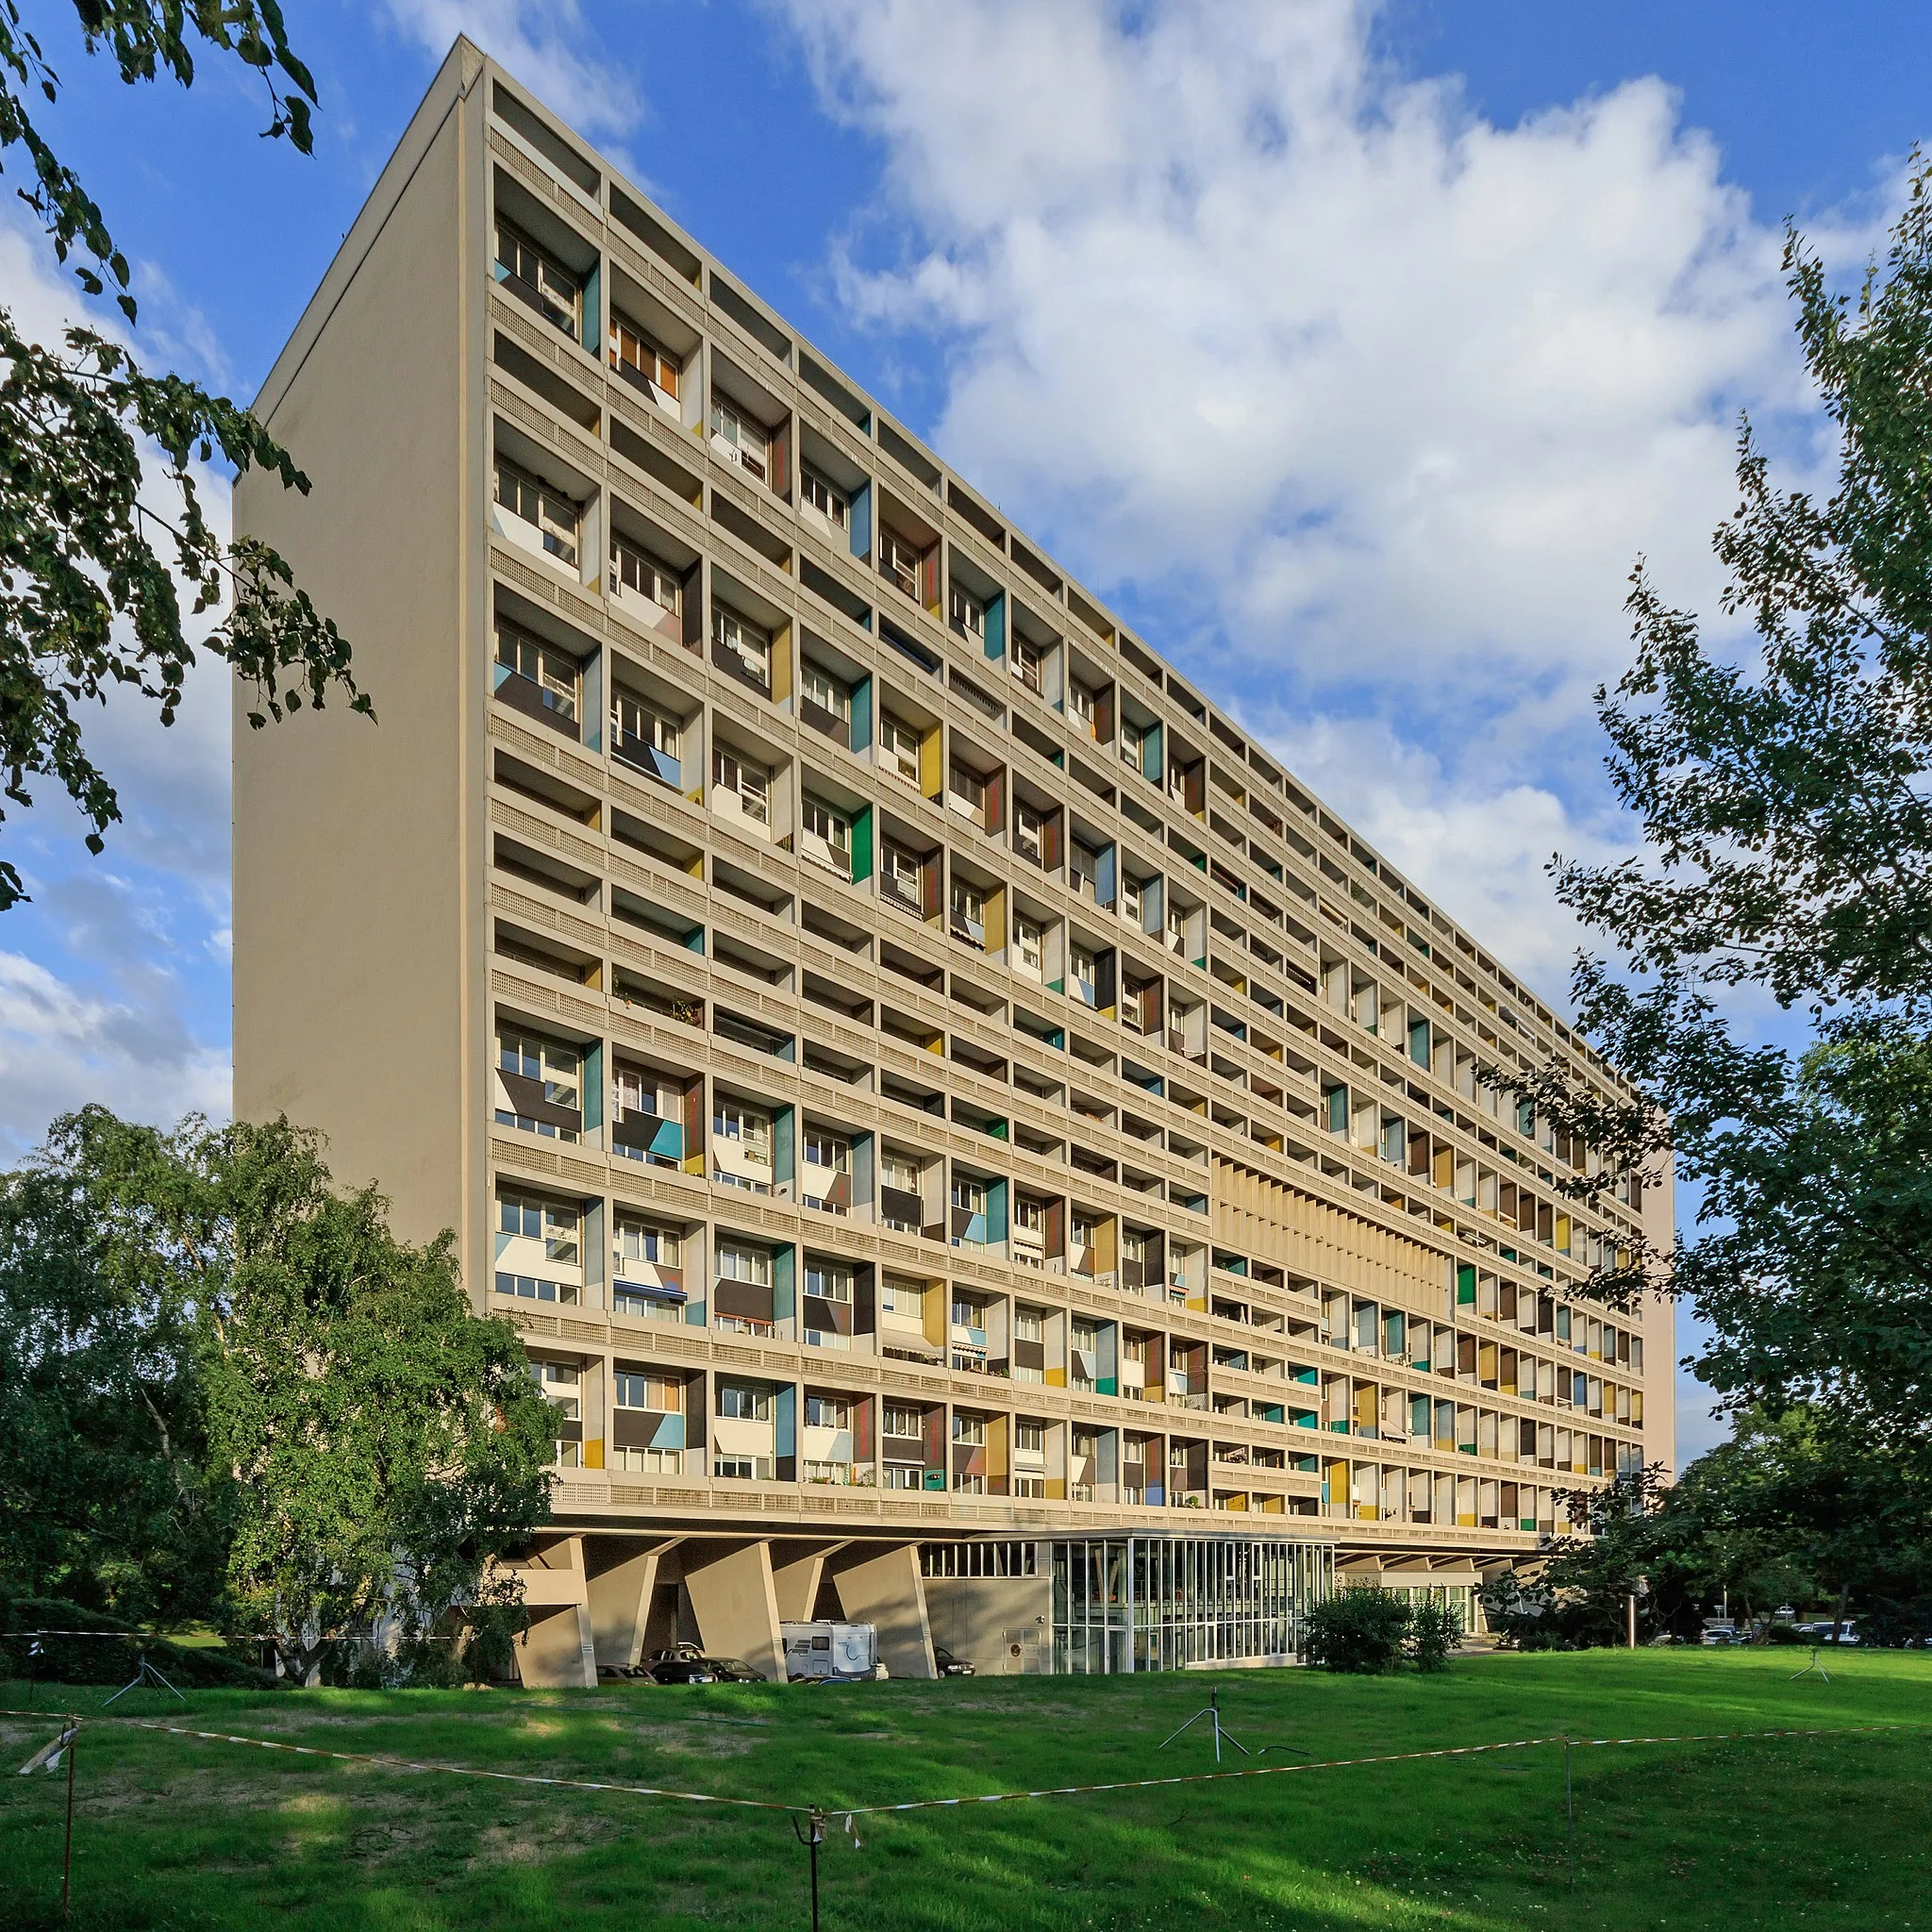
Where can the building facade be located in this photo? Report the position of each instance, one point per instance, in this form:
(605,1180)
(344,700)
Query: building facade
(969,1141)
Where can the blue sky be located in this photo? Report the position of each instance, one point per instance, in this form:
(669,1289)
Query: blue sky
(1353,352)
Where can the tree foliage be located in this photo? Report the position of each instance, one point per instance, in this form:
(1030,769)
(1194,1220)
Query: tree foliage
(1786,1513)
(1787,819)
(90,544)
(231,1392)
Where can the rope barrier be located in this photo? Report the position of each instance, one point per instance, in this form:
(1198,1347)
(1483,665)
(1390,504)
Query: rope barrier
(514,1778)
(1343,1763)
(849,1812)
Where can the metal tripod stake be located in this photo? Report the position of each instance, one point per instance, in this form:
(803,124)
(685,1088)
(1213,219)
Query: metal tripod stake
(144,1672)
(1212,1713)
(1813,1665)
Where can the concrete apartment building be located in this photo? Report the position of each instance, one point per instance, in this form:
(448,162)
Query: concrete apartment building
(969,1143)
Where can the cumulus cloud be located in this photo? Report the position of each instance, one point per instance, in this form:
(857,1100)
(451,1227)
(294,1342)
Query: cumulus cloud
(545,43)
(1363,404)
(1249,321)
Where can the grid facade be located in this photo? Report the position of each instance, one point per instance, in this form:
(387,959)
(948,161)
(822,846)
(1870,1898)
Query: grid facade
(909,1063)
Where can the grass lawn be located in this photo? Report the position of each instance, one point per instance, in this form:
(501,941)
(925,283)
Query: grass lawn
(171,1832)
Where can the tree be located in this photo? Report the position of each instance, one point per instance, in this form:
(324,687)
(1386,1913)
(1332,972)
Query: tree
(1787,817)
(87,601)
(385,1443)
(105,1499)
(1785,1512)
(314,1432)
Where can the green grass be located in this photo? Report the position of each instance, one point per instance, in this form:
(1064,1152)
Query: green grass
(172,1832)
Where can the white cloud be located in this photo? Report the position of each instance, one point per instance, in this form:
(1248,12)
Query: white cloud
(545,43)
(61,1047)
(1336,378)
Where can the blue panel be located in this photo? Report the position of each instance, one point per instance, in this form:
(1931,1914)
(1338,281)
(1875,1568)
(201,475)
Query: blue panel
(785,1421)
(668,1140)
(593,1085)
(861,714)
(996,626)
(859,523)
(784,1283)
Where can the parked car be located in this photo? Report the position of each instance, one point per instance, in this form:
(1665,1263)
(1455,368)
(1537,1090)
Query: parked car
(951,1666)
(732,1669)
(639,1673)
(682,1664)
(1720,1630)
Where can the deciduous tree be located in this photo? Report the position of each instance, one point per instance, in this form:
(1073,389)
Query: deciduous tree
(100,506)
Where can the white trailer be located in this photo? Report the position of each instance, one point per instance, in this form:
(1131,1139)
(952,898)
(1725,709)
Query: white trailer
(831,1650)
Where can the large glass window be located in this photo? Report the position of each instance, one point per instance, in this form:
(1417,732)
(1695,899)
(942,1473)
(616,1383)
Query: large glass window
(640,360)
(739,433)
(550,513)
(537,278)
(742,647)
(552,677)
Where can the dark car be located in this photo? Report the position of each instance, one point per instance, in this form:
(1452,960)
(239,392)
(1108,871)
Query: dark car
(951,1666)
(684,1664)
(732,1669)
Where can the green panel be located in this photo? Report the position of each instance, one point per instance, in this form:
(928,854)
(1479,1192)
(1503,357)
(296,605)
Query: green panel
(1465,1285)
(996,626)
(593,1085)
(862,839)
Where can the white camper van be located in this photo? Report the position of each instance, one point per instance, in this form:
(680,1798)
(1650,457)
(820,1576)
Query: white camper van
(831,1650)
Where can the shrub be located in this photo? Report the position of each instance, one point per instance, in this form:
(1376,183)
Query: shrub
(1360,1629)
(1434,1631)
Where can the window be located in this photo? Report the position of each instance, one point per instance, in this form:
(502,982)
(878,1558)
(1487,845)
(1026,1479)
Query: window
(1029,833)
(969,1430)
(635,574)
(645,1241)
(554,1071)
(821,821)
(631,1389)
(899,561)
(966,792)
(1133,744)
(827,1412)
(904,1423)
(1083,868)
(899,1171)
(746,1128)
(969,913)
(969,1196)
(1028,945)
(550,513)
(1178,931)
(899,873)
(823,1149)
(819,496)
(551,677)
(744,440)
(1131,901)
(1082,708)
(968,613)
(830,1281)
(643,737)
(1029,1437)
(534,277)
(899,748)
(741,646)
(1028,660)
(555,1223)
(640,360)
(744,1401)
(819,687)
(746,783)
(1084,973)
(752,1266)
